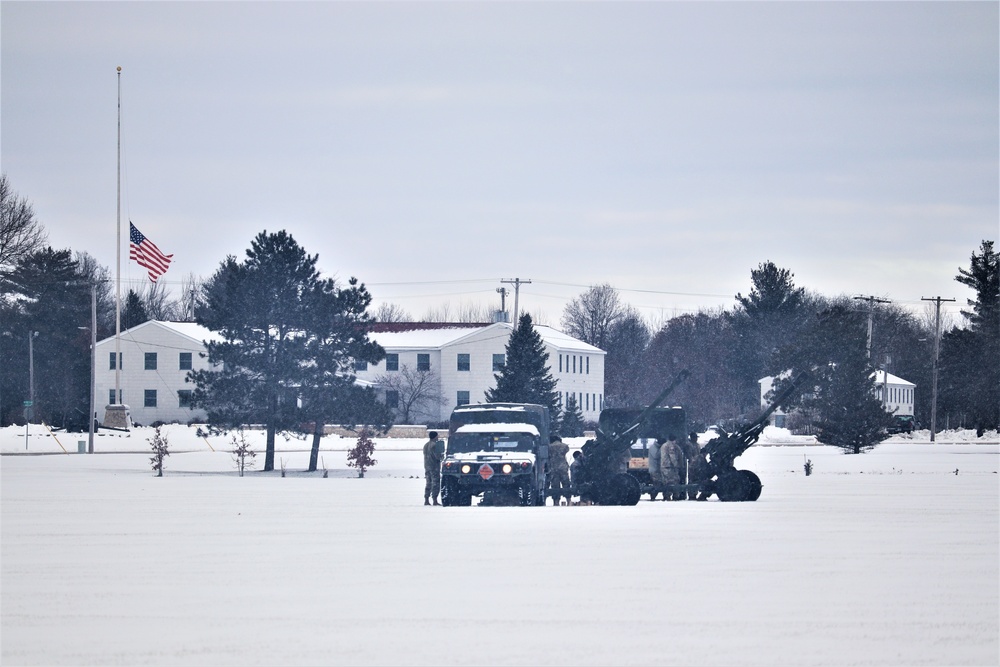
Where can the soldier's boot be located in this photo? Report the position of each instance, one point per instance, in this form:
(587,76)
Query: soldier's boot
(436,501)
(427,501)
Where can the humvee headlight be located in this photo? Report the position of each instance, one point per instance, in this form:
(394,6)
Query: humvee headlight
(507,468)
(466,469)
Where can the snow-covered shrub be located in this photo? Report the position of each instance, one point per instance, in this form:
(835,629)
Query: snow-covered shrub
(242,451)
(360,456)
(160,451)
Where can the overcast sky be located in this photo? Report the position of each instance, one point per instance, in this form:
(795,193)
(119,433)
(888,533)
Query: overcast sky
(433,149)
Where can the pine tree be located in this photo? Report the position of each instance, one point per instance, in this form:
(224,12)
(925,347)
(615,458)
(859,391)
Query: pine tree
(260,307)
(970,372)
(134,311)
(848,412)
(572,419)
(525,377)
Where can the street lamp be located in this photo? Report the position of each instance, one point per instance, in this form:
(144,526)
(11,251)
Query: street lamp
(32,335)
(91,416)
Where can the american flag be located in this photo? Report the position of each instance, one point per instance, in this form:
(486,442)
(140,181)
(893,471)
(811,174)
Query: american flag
(146,254)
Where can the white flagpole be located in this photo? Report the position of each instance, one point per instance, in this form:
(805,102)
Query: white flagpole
(118,281)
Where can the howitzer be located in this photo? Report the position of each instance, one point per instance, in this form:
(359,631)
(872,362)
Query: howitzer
(603,474)
(728,483)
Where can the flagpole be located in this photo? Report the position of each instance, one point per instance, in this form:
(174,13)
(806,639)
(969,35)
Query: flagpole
(118,281)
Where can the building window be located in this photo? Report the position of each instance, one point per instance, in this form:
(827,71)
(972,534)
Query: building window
(498,362)
(423,362)
(184,398)
(150,361)
(185,361)
(149,398)
(588,365)
(392,362)
(360,365)
(587,402)
(392,399)
(111,360)
(560,363)
(111,396)
(463,398)
(464,363)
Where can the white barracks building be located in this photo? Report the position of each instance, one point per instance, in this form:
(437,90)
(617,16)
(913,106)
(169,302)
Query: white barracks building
(463,358)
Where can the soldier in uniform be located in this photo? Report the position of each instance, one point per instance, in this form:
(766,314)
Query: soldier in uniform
(577,476)
(671,468)
(654,468)
(432,469)
(699,472)
(559,486)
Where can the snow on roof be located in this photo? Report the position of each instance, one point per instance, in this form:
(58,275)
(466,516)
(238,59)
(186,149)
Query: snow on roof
(880,379)
(424,335)
(190,330)
(497,428)
(423,338)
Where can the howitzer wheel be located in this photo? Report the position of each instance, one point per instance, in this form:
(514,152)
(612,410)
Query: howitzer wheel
(621,489)
(738,486)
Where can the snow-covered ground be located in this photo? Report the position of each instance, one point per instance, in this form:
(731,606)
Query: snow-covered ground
(889,557)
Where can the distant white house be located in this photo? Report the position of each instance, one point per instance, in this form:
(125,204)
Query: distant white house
(463,359)
(155,359)
(895,393)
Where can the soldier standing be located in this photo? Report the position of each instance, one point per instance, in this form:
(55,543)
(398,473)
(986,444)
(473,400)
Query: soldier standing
(654,468)
(699,472)
(671,465)
(558,470)
(432,469)
(577,476)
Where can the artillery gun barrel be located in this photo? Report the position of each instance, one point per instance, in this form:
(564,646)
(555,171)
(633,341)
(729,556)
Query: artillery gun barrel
(618,438)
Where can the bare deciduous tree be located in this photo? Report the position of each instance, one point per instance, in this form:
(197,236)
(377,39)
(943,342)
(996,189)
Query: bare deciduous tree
(391,312)
(589,316)
(20,233)
(417,391)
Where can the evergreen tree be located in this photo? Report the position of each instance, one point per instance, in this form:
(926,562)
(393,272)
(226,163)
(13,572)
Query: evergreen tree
(767,319)
(53,300)
(336,336)
(572,419)
(134,311)
(845,405)
(260,308)
(969,367)
(525,377)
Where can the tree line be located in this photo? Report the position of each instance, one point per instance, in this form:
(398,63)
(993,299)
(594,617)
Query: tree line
(273,308)
(778,328)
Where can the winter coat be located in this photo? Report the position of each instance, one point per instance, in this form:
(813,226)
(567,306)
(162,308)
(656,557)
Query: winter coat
(654,462)
(558,451)
(432,457)
(698,470)
(671,462)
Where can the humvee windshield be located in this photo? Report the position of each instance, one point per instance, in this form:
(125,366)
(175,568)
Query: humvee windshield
(465,443)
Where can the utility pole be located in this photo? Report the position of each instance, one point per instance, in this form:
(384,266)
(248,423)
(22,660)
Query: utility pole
(503,299)
(872,300)
(516,282)
(93,368)
(937,348)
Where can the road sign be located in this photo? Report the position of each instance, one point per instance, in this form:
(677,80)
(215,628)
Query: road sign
(27,404)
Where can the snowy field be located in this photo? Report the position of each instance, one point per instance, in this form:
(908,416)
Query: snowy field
(886,558)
